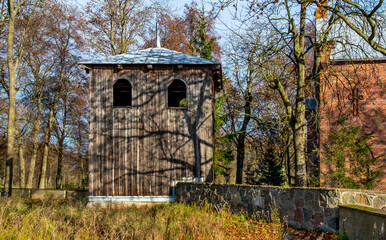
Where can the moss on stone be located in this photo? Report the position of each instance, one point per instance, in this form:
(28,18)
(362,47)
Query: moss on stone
(363,208)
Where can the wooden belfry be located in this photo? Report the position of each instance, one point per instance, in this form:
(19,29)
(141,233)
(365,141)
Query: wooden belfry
(151,123)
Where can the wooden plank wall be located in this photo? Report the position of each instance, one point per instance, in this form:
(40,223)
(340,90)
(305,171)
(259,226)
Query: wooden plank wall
(141,150)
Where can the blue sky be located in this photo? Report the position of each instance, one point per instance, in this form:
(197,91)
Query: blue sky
(178,7)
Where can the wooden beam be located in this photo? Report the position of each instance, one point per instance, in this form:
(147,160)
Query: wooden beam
(85,67)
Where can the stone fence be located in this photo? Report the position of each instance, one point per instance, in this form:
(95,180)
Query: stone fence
(308,208)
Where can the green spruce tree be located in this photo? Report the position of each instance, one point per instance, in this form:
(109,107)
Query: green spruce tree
(202,43)
(349,155)
(266,172)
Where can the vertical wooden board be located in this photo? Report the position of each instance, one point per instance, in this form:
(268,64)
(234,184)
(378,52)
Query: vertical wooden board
(92,135)
(108,134)
(108,137)
(133,136)
(152,113)
(140,163)
(155,132)
(181,149)
(173,149)
(164,146)
(115,136)
(99,120)
(195,116)
(212,130)
(209,126)
(127,153)
(148,130)
(122,153)
(131,153)
(182,125)
(145,121)
(203,123)
(201,130)
(180,143)
(176,145)
(138,149)
(96,148)
(134,133)
(100,135)
(117,158)
(162,140)
(125,149)
(191,117)
(167,148)
(188,142)
(118,173)
(106,171)
(129,135)
(168,156)
(113,162)
(106,183)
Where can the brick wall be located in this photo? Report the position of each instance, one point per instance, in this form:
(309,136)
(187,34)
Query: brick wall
(356,90)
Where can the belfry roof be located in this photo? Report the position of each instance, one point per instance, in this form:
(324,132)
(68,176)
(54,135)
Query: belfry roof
(156,55)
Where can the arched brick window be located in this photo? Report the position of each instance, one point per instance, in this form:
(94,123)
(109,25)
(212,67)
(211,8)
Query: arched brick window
(177,94)
(122,93)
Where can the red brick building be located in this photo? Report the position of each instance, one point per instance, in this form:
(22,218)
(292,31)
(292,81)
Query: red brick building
(356,90)
(353,85)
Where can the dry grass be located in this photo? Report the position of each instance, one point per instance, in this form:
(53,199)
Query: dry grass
(54,219)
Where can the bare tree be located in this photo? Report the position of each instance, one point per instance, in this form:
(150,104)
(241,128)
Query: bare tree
(365,18)
(15,50)
(114,25)
(64,27)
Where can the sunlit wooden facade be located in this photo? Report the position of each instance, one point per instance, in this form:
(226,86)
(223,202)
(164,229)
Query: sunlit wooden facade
(143,146)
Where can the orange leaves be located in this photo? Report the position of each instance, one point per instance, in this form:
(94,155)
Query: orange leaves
(251,229)
(298,234)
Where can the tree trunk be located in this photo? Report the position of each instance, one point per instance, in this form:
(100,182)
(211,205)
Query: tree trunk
(10,133)
(12,63)
(299,142)
(288,156)
(22,165)
(240,145)
(47,138)
(298,124)
(59,177)
(12,102)
(35,146)
(82,159)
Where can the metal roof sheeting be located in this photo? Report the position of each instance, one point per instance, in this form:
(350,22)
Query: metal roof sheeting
(151,56)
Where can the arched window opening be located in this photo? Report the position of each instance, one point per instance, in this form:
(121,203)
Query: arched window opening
(177,94)
(122,93)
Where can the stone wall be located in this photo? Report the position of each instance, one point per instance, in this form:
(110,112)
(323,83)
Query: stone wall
(308,208)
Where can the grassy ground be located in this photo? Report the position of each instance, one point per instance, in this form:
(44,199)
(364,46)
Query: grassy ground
(53,219)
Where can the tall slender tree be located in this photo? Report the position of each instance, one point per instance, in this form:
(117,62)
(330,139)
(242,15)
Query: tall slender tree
(16,9)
